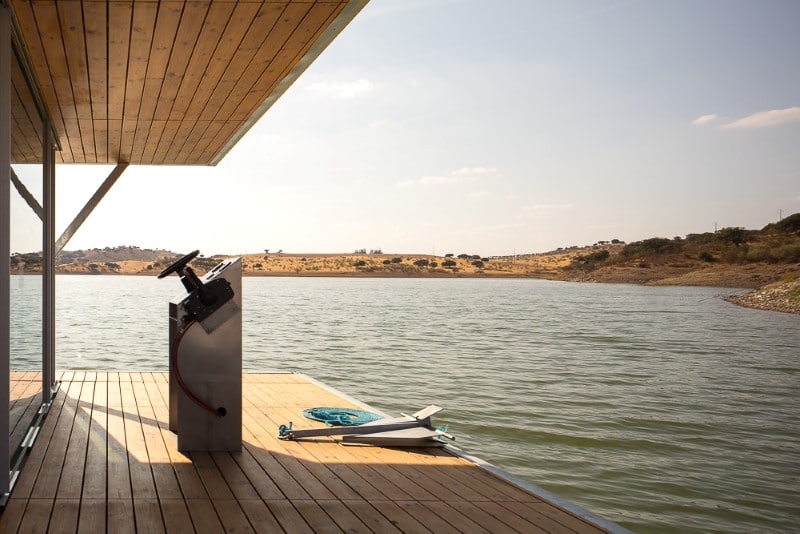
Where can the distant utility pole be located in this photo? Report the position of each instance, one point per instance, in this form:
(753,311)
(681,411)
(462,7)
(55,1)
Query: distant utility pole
(780,215)
(715,227)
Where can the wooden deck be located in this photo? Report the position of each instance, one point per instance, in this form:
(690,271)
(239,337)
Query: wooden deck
(106,462)
(25,399)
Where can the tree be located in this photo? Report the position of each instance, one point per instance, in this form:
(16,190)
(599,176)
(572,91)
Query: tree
(737,235)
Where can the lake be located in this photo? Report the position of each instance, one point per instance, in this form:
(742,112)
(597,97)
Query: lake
(665,409)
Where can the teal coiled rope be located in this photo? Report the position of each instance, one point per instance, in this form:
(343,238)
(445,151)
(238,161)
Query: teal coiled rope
(341,416)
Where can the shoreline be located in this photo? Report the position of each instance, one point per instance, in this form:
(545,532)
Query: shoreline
(779,297)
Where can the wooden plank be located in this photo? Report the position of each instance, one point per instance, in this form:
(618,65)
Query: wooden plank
(296,34)
(348,521)
(119,477)
(562,517)
(231,516)
(261,480)
(189,140)
(398,516)
(287,515)
(142,484)
(46,16)
(114,140)
(458,520)
(166,482)
(36,458)
(94,474)
(167,20)
(237,481)
(64,518)
(23,411)
(92,516)
(262,44)
(148,516)
(260,516)
(185,471)
(198,35)
(331,455)
(533,513)
(171,129)
(28,26)
(212,479)
(313,514)
(203,515)
(95,26)
(70,485)
(394,477)
(37,516)
(52,465)
(70,15)
(205,133)
(12,515)
(176,516)
(120,515)
(298,470)
(230,39)
(164,44)
(509,518)
(142,28)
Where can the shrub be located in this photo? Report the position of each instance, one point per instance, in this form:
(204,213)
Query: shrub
(788,253)
(397,260)
(654,245)
(448,263)
(706,256)
(360,263)
(735,235)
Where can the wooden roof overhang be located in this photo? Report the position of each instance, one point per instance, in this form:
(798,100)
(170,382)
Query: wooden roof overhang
(161,82)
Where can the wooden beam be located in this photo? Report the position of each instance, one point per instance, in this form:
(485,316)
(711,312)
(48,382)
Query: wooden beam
(90,205)
(26,195)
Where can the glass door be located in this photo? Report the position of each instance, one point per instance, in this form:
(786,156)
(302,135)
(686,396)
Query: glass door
(26,268)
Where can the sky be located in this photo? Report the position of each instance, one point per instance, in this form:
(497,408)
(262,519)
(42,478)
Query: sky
(491,128)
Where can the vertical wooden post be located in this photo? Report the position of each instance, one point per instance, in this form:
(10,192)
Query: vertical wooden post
(48,264)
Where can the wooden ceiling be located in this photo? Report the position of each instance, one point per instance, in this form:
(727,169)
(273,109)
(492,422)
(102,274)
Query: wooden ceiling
(163,82)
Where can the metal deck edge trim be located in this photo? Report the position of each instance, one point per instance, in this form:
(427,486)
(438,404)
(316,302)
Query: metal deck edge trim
(542,493)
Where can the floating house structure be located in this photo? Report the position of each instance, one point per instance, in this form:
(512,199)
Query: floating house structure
(174,82)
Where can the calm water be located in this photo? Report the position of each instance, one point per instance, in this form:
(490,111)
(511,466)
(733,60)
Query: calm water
(664,409)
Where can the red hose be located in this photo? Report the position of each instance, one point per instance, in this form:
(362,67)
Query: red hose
(173,359)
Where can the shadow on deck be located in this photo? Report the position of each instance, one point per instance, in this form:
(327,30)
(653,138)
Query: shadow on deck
(106,461)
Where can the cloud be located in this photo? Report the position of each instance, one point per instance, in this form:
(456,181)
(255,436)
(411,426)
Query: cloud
(705,119)
(472,171)
(478,194)
(464,174)
(544,210)
(339,90)
(763,119)
(439,180)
